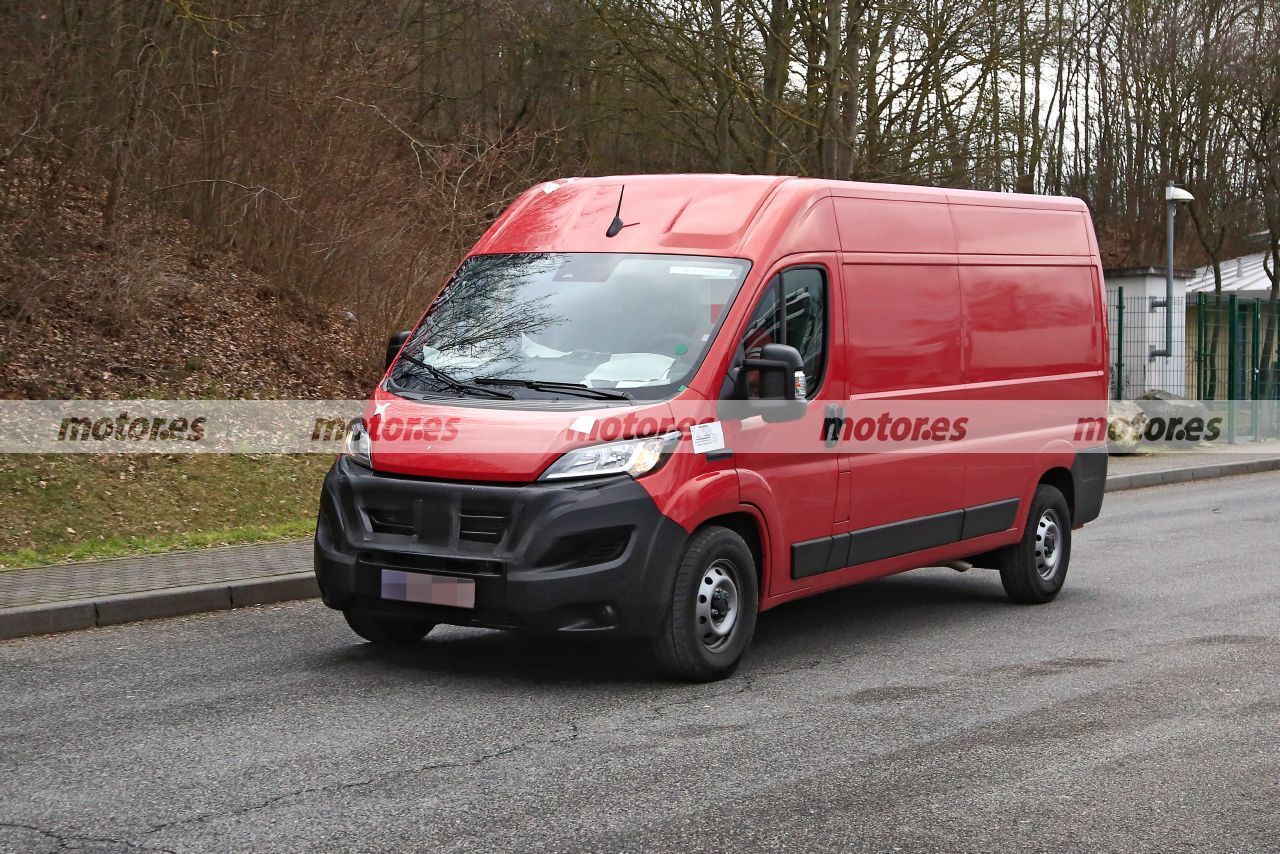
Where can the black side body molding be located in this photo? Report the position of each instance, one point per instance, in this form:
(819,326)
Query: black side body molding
(828,554)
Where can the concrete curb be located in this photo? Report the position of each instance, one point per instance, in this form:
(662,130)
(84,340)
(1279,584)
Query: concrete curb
(203,598)
(1141,480)
(154,604)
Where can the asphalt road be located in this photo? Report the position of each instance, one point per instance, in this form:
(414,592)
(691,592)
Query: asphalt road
(1139,712)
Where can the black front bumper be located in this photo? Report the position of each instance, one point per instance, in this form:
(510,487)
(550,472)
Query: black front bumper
(590,556)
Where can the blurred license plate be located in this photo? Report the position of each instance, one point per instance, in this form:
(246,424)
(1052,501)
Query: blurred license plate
(428,589)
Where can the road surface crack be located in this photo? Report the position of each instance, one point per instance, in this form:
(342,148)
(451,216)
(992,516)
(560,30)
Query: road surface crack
(476,761)
(65,840)
(743,683)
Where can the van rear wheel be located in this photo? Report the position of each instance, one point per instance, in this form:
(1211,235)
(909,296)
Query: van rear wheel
(386,630)
(712,612)
(1033,569)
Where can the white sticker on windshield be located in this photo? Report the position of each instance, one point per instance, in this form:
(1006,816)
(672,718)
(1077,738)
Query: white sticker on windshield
(583,425)
(705,272)
(707,437)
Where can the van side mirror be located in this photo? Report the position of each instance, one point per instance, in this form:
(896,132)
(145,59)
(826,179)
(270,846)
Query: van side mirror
(394,343)
(779,390)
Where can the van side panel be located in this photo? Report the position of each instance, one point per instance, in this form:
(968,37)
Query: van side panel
(904,348)
(887,225)
(1029,321)
(986,298)
(903,325)
(1034,331)
(983,230)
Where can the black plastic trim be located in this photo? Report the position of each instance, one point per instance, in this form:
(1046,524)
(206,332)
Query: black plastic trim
(524,574)
(1089,480)
(989,518)
(899,538)
(810,557)
(828,554)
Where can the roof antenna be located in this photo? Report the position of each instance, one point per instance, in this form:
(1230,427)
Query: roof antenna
(617,224)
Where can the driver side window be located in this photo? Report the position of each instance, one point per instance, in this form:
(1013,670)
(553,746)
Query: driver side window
(793,310)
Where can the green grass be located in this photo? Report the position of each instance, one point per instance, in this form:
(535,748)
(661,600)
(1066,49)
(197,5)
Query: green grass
(60,508)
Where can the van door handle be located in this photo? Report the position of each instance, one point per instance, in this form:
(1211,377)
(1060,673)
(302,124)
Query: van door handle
(721,454)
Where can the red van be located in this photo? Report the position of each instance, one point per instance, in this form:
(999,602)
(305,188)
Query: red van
(654,406)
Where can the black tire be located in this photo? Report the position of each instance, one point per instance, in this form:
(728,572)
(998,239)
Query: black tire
(715,583)
(385,630)
(1033,570)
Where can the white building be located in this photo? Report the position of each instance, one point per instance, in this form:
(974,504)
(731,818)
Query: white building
(1135,370)
(1246,277)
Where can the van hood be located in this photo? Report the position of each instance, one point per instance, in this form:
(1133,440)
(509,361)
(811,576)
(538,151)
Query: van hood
(495,443)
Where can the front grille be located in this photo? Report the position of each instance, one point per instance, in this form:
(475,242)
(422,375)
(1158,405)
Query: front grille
(482,525)
(391,521)
(486,525)
(452,564)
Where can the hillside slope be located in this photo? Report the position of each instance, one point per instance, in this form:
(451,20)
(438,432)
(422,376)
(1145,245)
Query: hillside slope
(152,317)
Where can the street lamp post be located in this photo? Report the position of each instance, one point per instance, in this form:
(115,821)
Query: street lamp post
(1173,195)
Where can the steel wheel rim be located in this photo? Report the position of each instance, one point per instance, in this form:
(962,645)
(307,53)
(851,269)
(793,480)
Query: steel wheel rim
(1048,544)
(717,604)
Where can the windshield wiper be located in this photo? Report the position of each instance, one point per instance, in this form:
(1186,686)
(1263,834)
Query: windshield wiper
(568,388)
(455,383)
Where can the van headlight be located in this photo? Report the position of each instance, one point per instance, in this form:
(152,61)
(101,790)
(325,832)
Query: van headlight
(635,457)
(357,446)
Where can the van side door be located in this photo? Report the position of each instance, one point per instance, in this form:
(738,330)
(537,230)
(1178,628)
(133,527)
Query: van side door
(905,410)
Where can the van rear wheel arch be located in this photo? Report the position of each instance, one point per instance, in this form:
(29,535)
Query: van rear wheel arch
(1060,479)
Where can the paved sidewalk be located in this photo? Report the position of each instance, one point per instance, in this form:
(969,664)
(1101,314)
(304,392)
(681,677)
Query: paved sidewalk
(73,596)
(1122,464)
(94,579)
(99,593)
(1140,471)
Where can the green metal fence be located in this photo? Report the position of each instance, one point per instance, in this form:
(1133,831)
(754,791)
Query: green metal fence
(1237,358)
(1231,346)
(1236,348)
(1226,349)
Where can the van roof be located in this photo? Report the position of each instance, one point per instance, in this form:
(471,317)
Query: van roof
(694,213)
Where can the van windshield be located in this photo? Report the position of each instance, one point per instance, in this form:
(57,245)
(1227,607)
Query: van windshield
(627,325)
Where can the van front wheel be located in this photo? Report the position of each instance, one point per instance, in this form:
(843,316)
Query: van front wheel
(1034,569)
(712,613)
